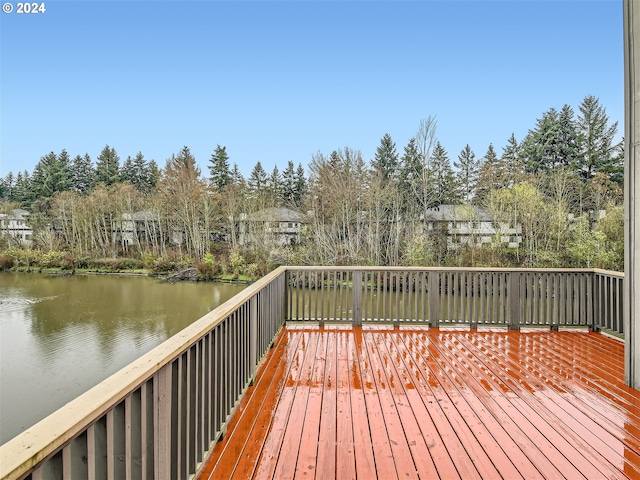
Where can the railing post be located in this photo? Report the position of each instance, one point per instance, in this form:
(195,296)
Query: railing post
(514,300)
(434,297)
(286,313)
(163,422)
(357,298)
(592,302)
(253,337)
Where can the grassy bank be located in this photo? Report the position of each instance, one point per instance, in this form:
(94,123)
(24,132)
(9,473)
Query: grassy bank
(173,267)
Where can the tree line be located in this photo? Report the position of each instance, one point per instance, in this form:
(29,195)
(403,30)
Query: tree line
(554,182)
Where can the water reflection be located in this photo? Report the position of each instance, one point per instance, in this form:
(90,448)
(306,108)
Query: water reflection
(59,336)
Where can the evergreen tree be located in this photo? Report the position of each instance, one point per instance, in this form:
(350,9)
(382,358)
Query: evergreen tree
(468,173)
(154,175)
(7,187)
(597,151)
(410,176)
(82,174)
(63,173)
(568,139)
(289,184)
(446,189)
(136,170)
(219,172)
(127,172)
(511,162)
(141,177)
(540,146)
(107,166)
(301,186)
(51,175)
(491,175)
(385,162)
(236,176)
(553,143)
(257,182)
(185,159)
(23,191)
(274,186)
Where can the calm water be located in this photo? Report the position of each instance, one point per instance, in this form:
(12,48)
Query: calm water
(59,336)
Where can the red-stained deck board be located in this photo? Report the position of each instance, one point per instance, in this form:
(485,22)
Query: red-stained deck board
(427,403)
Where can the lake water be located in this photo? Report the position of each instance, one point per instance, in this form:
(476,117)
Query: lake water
(61,335)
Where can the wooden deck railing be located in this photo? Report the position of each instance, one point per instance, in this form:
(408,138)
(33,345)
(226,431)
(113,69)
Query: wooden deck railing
(159,416)
(457,296)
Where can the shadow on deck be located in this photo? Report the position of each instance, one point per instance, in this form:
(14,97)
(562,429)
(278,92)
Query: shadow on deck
(434,403)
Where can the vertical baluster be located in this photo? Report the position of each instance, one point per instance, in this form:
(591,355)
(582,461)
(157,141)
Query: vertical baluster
(163,426)
(73,455)
(133,438)
(146,429)
(97,449)
(322,301)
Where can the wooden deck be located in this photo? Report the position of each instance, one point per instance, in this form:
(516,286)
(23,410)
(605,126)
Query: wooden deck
(426,403)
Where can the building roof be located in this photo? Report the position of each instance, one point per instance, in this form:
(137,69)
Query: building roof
(143,215)
(16,213)
(460,213)
(276,214)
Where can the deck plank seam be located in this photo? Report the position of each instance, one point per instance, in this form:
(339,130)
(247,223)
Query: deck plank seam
(559,420)
(482,415)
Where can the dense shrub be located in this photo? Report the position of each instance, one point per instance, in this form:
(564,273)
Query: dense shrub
(208,268)
(6,262)
(52,259)
(252,270)
(115,264)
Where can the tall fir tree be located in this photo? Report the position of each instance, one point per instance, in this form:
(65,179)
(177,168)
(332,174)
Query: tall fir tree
(410,177)
(468,173)
(108,166)
(302,186)
(51,175)
(511,162)
(154,175)
(491,175)
(63,179)
(219,171)
(257,182)
(127,172)
(385,161)
(23,191)
(274,187)
(289,185)
(141,174)
(236,176)
(82,174)
(568,142)
(598,152)
(445,187)
(7,187)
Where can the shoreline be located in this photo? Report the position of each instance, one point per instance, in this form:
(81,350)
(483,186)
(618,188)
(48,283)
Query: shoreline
(173,277)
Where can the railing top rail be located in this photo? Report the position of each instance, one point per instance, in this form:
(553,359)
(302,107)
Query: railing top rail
(21,453)
(448,269)
(612,273)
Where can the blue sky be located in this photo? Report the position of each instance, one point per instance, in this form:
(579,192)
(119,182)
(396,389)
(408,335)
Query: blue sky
(279,81)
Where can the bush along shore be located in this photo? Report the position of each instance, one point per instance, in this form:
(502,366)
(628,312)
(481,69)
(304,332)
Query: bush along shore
(173,267)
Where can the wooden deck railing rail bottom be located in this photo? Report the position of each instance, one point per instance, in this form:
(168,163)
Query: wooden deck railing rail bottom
(159,416)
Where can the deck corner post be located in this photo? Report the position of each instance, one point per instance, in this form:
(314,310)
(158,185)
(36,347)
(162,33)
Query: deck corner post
(286,314)
(357,298)
(513,295)
(631,283)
